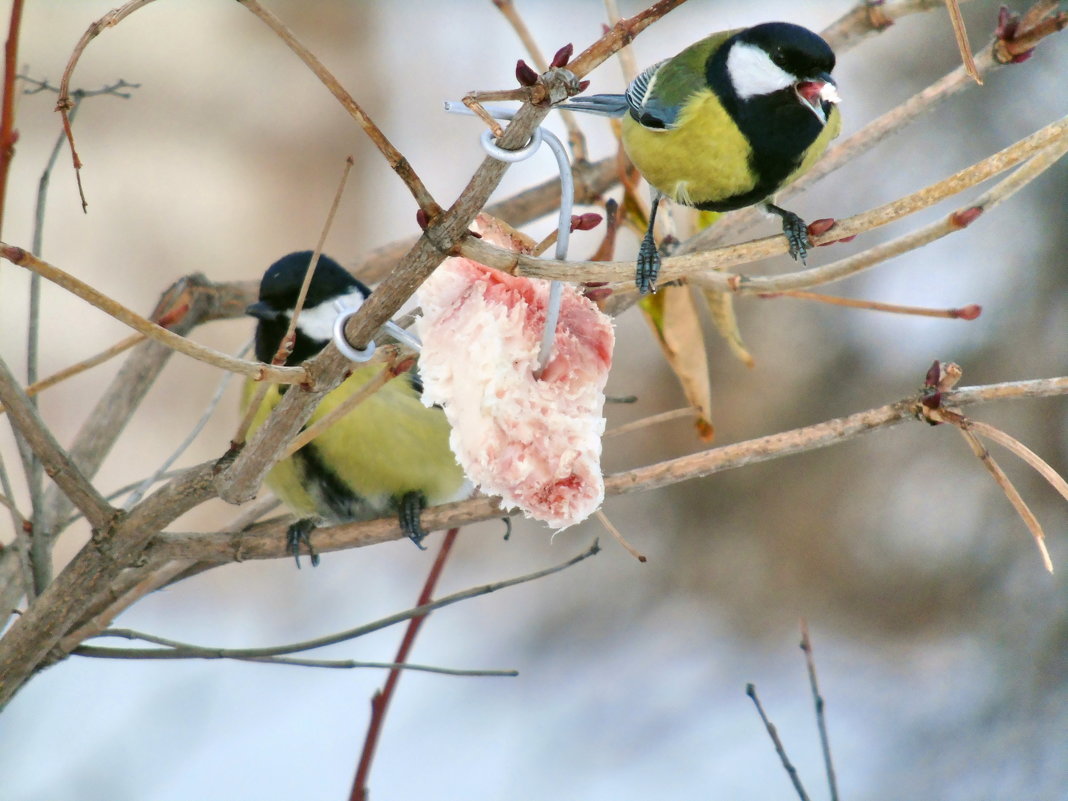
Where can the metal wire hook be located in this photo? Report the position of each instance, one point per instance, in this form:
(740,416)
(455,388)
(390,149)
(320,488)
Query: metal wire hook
(567,202)
(365,354)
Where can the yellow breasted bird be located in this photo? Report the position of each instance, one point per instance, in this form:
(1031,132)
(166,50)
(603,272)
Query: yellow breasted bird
(389,454)
(727,123)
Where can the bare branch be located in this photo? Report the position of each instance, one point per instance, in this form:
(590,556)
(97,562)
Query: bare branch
(267,540)
(59,466)
(256,370)
(397,161)
(1053,137)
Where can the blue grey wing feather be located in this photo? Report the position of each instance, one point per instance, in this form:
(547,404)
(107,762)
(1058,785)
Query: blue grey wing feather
(646,108)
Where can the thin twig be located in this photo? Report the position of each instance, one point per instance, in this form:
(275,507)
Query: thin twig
(86,364)
(393,156)
(1013,494)
(791,771)
(652,420)
(173,649)
(302,295)
(1043,148)
(8,136)
(64,104)
(255,370)
(381,699)
(136,653)
(394,367)
(961,35)
(183,446)
(25,417)
(267,541)
(821,717)
(602,518)
(1040,465)
(576,139)
(970,312)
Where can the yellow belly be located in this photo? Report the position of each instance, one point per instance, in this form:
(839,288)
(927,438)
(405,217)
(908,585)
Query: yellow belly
(703,159)
(386,446)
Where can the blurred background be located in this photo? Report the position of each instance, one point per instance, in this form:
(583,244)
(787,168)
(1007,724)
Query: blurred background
(942,644)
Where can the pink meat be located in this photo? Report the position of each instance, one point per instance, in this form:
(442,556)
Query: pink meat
(536,443)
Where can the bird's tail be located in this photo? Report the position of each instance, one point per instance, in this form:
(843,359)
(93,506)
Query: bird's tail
(605,105)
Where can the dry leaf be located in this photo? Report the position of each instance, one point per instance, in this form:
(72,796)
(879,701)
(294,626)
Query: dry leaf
(673,316)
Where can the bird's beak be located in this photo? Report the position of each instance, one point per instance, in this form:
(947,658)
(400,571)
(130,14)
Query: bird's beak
(817,91)
(262,311)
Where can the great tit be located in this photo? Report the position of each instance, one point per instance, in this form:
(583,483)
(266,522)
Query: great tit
(728,122)
(389,454)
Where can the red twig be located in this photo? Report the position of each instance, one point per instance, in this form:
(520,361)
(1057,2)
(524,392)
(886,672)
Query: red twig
(8,135)
(380,703)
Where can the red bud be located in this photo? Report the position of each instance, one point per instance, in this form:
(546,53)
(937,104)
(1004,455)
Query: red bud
(934,374)
(585,222)
(965,217)
(524,74)
(969,312)
(422,219)
(563,55)
(821,226)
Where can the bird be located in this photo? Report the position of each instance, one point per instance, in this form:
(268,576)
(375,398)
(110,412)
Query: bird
(727,123)
(388,455)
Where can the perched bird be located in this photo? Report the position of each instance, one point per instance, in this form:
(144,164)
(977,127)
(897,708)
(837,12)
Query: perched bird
(389,454)
(728,122)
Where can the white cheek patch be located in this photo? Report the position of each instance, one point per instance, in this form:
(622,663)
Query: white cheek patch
(752,72)
(318,322)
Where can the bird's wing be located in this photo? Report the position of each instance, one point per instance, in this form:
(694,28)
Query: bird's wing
(658,95)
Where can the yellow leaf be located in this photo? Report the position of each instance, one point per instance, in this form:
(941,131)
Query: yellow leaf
(721,307)
(673,316)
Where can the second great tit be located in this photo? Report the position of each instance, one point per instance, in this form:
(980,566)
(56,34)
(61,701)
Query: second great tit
(388,454)
(726,123)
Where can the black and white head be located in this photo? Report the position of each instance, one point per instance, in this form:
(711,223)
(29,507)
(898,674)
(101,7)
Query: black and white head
(777,57)
(331,289)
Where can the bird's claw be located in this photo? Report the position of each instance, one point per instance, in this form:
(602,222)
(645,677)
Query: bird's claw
(300,532)
(648,265)
(409,510)
(795,230)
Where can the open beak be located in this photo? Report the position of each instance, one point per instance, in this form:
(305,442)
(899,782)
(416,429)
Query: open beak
(814,93)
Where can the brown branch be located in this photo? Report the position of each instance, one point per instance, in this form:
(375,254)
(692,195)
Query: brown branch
(575,136)
(867,19)
(1052,137)
(440,238)
(619,35)
(255,370)
(8,134)
(393,156)
(86,364)
(64,104)
(57,464)
(267,540)
(592,179)
(28,644)
(381,699)
(961,35)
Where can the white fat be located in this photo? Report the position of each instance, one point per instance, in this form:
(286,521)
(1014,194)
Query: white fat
(829,94)
(752,72)
(317,322)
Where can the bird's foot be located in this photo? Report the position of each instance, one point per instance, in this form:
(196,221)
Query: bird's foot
(300,532)
(410,508)
(648,265)
(795,230)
